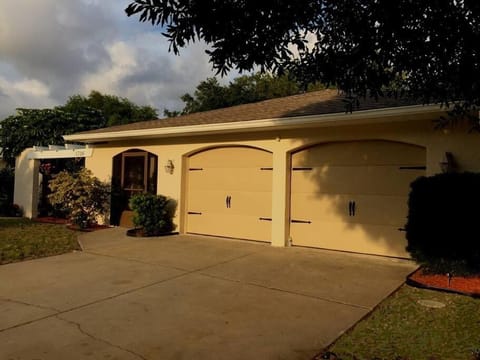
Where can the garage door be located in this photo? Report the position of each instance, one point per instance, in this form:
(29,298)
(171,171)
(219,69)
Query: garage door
(352,196)
(230,193)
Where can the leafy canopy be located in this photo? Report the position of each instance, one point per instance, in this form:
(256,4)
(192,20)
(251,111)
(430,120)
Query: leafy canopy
(117,111)
(31,127)
(210,94)
(41,127)
(429,49)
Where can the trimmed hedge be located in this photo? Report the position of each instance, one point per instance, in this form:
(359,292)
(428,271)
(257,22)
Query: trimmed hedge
(443,229)
(153,213)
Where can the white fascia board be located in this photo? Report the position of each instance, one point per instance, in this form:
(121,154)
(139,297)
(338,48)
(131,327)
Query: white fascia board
(324,120)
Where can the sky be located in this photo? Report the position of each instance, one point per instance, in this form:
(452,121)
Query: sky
(53,49)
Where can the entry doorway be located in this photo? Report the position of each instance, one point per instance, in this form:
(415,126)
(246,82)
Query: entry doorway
(134,171)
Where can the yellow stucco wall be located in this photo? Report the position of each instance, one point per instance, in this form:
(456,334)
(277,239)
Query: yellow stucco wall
(464,147)
(26,184)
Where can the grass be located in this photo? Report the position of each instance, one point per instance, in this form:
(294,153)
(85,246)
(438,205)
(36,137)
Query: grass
(401,328)
(22,239)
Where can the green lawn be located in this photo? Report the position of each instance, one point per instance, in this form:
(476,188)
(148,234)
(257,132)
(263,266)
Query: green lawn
(22,239)
(401,328)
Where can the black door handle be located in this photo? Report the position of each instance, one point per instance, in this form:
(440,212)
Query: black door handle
(352,206)
(228,201)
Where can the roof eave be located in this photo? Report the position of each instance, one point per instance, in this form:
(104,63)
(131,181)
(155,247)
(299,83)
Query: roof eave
(287,123)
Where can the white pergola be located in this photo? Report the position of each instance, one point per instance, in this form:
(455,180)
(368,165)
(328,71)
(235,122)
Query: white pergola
(59,152)
(27,171)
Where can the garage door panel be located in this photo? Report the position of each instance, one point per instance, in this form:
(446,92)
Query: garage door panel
(386,210)
(258,203)
(227,225)
(386,180)
(242,157)
(239,179)
(229,192)
(327,180)
(369,239)
(360,153)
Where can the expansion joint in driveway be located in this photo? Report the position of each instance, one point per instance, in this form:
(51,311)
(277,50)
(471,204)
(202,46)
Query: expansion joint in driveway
(93,337)
(224,262)
(28,304)
(287,291)
(135,260)
(59,312)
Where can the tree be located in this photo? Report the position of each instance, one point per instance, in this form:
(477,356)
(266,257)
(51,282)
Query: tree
(42,127)
(429,49)
(210,94)
(117,111)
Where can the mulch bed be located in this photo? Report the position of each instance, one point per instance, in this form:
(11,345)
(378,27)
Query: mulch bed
(60,221)
(50,220)
(455,284)
(89,229)
(138,232)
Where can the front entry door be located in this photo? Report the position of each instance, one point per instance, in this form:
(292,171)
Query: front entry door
(134,171)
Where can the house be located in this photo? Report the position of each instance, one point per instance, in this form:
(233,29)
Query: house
(298,170)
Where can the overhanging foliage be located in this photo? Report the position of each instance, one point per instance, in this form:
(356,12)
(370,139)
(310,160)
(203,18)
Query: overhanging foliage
(428,50)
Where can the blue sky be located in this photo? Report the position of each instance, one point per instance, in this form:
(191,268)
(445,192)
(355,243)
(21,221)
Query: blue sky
(52,49)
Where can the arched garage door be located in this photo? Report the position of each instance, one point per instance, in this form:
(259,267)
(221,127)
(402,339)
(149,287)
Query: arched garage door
(229,193)
(352,196)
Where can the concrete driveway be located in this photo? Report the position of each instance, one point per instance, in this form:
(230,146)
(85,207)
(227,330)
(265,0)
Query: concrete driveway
(186,297)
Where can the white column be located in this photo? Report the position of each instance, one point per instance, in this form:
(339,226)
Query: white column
(280,198)
(26,184)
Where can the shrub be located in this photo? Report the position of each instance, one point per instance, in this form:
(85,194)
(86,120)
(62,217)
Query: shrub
(153,213)
(83,196)
(442,229)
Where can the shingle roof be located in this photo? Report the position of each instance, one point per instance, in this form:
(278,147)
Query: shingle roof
(327,101)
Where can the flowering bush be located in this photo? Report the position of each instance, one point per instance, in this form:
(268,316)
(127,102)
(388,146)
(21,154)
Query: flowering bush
(46,168)
(83,196)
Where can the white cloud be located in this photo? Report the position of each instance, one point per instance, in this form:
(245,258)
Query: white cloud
(31,87)
(52,49)
(120,63)
(31,92)
(149,74)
